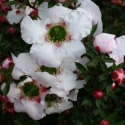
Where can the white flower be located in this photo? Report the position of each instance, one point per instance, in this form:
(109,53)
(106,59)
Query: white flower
(61,83)
(15,15)
(94,12)
(26,97)
(54,36)
(24,65)
(57,105)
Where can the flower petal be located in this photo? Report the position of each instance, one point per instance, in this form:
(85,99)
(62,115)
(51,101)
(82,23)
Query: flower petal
(67,80)
(59,92)
(74,20)
(25,63)
(44,79)
(42,52)
(53,13)
(16,73)
(33,109)
(32,31)
(120,45)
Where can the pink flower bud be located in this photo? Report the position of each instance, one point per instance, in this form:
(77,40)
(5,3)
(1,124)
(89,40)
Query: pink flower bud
(104,43)
(2,18)
(7,63)
(98,94)
(11,30)
(34,13)
(118,76)
(113,86)
(104,122)
(5,8)
(61,1)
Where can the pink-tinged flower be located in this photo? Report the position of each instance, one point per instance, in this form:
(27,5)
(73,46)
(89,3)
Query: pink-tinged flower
(26,97)
(54,36)
(11,30)
(105,43)
(7,63)
(118,76)
(94,13)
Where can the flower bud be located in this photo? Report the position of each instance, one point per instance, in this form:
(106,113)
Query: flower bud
(2,79)
(104,122)
(113,86)
(11,30)
(7,63)
(66,112)
(118,76)
(104,43)
(98,94)
(5,8)
(2,18)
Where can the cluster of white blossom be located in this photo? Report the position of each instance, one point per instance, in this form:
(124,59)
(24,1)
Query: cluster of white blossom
(51,76)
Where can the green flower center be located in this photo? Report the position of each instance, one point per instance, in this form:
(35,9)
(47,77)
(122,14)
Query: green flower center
(30,89)
(57,33)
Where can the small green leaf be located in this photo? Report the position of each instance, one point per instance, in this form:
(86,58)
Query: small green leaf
(103,66)
(87,77)
(103,76)
(109,60)
(0,38)
(93,30)
(51,3)
(81,67)
(87,101)
(6,89)
(97,102)
(10,3)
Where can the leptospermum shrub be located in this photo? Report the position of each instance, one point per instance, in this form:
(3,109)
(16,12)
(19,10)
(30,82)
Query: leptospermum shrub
(58,65)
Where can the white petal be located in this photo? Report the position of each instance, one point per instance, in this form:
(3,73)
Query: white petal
(45,54)
(83,60)
(73,49)
(65,105)
(16,73)
(120,45)
(95,12)
(53,13)
(59,92)
(80,84)
(68,64)
(25,63)
(45,79)
(14,58)
(32,31)
(74,20)
(33,109)
(67,80)
(13,93)
(73,95)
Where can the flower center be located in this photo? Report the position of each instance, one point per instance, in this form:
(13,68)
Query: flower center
(57,33)
(30,89)
(50,98)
